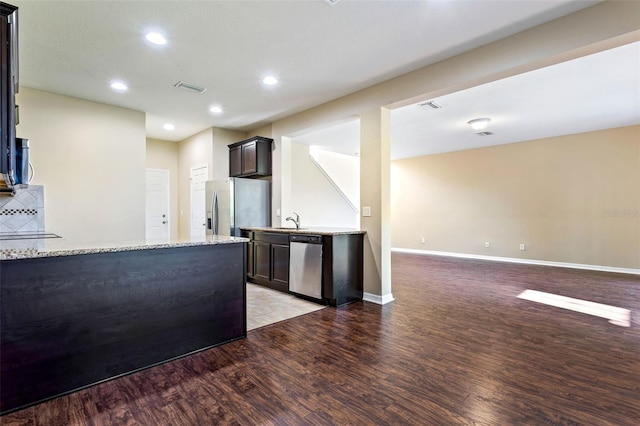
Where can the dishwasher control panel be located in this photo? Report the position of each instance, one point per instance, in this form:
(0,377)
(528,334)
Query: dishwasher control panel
(308,239)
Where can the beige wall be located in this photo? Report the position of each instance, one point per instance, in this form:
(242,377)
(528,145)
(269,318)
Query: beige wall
(193,151)
(164,155)
(222,138)
(207,147)
(314,198)
(600,27)
(572,199)
(90,157)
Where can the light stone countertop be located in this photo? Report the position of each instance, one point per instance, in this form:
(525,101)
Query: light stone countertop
(55,247)
(311,230)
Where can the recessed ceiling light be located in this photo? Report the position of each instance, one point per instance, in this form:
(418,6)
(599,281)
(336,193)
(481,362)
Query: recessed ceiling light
(155,38)
(270,80)
(215,109)
(169,126)
(119,86)
(479,123)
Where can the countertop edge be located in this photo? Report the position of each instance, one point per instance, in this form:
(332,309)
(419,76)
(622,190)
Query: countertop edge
(316,231)
(26,252)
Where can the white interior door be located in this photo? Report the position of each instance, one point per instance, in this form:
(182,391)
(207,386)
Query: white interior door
(157,204)
(198,177)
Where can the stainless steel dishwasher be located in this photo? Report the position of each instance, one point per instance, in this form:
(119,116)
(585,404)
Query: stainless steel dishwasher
(305,265)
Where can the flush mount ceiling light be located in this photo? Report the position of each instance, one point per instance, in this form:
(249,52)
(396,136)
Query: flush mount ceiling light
(155,38)
(331,2)
(270,80)
(169,126)
(215,109)
(119,86)
(479,123)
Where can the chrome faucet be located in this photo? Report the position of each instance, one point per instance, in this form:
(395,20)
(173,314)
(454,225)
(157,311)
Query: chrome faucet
(296,220)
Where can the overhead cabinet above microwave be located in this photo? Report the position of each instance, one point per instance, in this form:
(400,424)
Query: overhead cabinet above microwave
(250,157)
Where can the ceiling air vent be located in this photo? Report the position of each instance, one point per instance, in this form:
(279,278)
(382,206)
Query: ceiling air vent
(484,134)
(430,104)
(189,86)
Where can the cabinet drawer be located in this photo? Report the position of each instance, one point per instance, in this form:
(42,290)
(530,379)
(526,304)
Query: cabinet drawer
(271,237)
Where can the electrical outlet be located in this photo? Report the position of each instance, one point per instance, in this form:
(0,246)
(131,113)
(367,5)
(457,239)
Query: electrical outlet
(487,244)
(523,247)
(366,211)
(422,240)
(277,212)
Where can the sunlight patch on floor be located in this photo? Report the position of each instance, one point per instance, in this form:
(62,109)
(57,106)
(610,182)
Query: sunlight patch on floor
(615,315)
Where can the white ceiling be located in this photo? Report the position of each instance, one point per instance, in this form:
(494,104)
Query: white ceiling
(595,92)
(318,51)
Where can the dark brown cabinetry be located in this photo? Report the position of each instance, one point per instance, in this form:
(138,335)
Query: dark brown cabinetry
(342,268)
(250,251)
(270,259)
(250,157)
(342,264)
(71,321)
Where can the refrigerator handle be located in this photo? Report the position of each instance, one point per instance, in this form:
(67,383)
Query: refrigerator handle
(214,212)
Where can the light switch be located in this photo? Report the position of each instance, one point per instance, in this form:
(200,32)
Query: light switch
(277,212)
(366,211)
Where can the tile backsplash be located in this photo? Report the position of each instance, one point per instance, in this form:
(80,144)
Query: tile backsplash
(24,211)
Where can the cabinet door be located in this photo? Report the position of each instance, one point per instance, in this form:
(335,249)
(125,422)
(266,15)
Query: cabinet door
(262,260)
(235,161)
(249,158)
(280,258)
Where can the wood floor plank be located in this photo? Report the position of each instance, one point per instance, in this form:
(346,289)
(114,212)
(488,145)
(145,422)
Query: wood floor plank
(455,347)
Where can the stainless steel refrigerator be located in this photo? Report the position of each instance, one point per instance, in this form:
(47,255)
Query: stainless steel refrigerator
(233,203)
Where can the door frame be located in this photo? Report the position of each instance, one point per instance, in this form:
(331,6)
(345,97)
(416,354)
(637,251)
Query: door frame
(191,169)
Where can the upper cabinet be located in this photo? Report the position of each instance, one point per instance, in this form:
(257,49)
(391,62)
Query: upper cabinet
(250,157)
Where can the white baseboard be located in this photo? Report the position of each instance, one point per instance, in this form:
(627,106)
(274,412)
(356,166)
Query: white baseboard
(380,300)
(523,261)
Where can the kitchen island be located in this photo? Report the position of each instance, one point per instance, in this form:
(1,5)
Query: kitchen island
(75,314)
(270,260)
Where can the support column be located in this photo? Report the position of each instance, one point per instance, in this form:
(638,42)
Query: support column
(375,188)
(281,184)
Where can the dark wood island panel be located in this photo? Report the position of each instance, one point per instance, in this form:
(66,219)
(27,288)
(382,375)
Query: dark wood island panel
(72,321)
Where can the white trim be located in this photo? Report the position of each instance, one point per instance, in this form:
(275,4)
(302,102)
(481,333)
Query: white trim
(523,261)
(191,199)
(380,300)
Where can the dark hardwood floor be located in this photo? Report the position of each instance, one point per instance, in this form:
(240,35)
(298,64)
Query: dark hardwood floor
(455,347)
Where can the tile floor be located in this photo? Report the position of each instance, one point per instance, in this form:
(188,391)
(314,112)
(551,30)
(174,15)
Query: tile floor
(266,306)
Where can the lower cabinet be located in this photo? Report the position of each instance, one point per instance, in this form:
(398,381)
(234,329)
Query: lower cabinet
(280,264)
(270,260)
(342,264)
